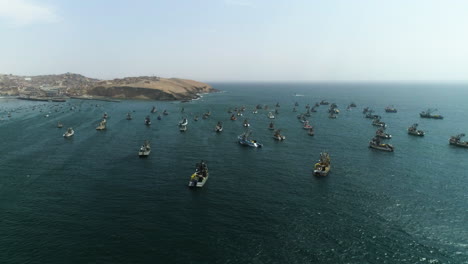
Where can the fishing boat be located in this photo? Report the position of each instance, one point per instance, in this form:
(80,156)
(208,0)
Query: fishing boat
(376,144)
(311,131)
(255,111)
(307,114)
(195,118)
(129,116)
(69,133)
(323,166)
(377,122)
(59,125)
(307,106)
(165,112)
(276,111)
(200,176)
(390,109)
(278,135)
(313,109)
(277,104)
(332,116)
(153,110)
(182,128)
(324,102)
(246,141)
(233,117)
(294,109)
(183,122)
(271,126)
(246,123)
(219,127)
(147,121)
(159,117)
(352,104)
(413,130)
(102,125)
(307,125)
(229,111)
(428,114)
(105,116)
(365,110)
(456,141)
(259,106)
(296,104)
(270,115)
(381,134)
(145,149)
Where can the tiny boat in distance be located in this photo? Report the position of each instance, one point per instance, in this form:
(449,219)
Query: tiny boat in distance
(165,112)
(145,149)
(183,128)
(278,135)
(153,110)
(376,144)
(246,141)
(271,126)
(200,176)
(428,114)
(70,132)
(381,134)
(233,117)
(219,127)
(390,109)
(323,166)
(456,141)
(270,115)
(147,121)
(183,122)
(129,116)
(413,130)
(311,131)
(246,123)
(59,125)
(102,125)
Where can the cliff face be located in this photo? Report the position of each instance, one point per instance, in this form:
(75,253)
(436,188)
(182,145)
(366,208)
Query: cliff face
(150,88)
(69,84)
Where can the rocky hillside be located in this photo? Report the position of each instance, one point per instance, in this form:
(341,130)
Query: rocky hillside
(69,84)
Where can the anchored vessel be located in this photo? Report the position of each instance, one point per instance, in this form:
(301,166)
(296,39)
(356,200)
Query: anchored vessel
(183,122)
(376,144)
(377,122)
(246,123)
(428,114)
(307,125)
(105,116)
(219,127)
(271,126)
(270,115)
(413,130)
(311,131)
(233,117)
(147,121)
(165,112)
(322,167)
(145,149)
(102,125)
(153,110)
(278,135)
(456,141)
(59,125)
(246,141)
(182,128)
(324,102)
(70,132)
(381,134)
(129,116)
(200,176)
(390,109)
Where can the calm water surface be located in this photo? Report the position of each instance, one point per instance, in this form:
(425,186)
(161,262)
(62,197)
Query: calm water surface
(90,199)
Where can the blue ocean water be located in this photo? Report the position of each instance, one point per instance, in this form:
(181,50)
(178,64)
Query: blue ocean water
(90,199)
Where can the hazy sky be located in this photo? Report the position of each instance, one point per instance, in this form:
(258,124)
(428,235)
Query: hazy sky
(213,40)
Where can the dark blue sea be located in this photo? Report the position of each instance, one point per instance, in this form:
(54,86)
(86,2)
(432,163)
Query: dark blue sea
(91,199)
